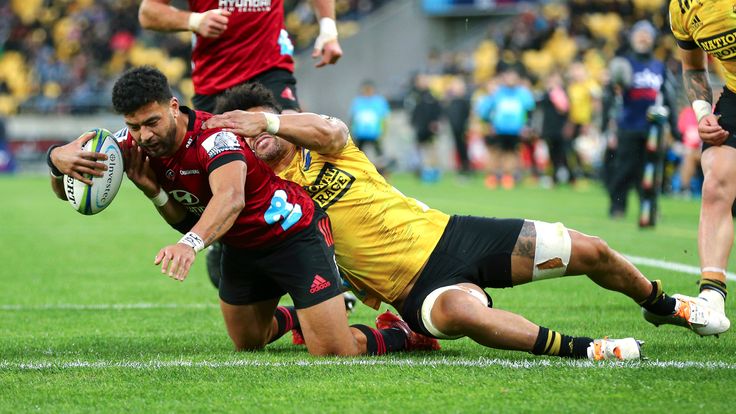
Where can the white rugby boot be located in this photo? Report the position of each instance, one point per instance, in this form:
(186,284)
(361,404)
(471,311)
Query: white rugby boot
(625,349)
(693,313)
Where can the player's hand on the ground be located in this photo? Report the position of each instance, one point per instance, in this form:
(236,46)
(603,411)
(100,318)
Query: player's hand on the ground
(329,53)
(211,23)
(175,260)
(710,131)
(139,171)
(71,160)
(245,124)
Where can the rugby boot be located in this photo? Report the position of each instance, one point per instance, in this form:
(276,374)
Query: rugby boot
(693,313)
(625,349)
(414,341)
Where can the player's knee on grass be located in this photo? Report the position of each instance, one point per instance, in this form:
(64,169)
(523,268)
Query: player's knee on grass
(451,311)
(715,190)
(325,329)
(249,339)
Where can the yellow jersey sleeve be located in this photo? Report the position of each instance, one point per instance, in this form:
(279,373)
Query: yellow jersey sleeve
(382,237)
(678,19)
(708,25)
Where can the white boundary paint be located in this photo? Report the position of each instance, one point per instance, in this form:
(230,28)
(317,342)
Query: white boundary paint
(354,362)
(676,267)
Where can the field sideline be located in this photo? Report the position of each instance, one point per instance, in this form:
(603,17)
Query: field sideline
(88,324)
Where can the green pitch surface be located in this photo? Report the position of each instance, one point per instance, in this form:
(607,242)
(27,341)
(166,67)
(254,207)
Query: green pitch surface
(88,324)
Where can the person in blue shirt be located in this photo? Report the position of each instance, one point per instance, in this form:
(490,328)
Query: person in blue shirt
(368,114)
(506,110)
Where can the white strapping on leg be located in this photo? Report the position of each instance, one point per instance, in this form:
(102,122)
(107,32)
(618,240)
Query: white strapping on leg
(552,250)
(714,270)
(429,301)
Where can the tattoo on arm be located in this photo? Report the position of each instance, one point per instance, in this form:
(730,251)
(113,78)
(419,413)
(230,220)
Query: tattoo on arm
(526,243)
(697,85)
(214,235)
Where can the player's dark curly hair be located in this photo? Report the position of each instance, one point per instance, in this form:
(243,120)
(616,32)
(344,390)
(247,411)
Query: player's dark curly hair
(246,96)
(138,87)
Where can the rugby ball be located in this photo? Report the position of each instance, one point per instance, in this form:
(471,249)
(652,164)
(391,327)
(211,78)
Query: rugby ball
(91,199)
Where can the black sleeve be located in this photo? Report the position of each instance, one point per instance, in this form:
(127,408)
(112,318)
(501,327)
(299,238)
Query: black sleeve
(186,225)
(224,159)
(686,44)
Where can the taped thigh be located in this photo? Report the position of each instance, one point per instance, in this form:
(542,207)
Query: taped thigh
(552,250)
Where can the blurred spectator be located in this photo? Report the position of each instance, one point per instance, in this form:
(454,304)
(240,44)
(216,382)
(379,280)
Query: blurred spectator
(641,79)
(457,109)
(425,113)
(687,124)
(368,118)
(506,111)
(7,162)
(585,93)
(555,106)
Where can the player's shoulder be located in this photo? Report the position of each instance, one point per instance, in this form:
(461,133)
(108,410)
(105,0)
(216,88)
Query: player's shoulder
(216,141)
(121,134)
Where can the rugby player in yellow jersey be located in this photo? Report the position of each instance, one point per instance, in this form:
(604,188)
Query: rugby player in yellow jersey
(704,28)
(428,265)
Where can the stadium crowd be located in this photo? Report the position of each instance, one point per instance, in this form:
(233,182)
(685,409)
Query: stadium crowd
(62,56)
(561,54)
(59,57)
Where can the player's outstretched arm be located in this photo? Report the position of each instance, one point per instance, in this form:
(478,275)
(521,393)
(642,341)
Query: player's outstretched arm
(326,47)
(227,183)
(159,15)
(320,133)
(700,94)
(71,160)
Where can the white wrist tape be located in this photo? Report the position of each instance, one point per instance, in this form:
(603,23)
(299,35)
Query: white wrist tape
(702,108)
(193,240)
(272,123)
(160,199)
(195,19)
(327,32)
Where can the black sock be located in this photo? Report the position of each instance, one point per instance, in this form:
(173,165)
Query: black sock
(382,341)
(659,302)
(286,320)
(714,284)
(550,342)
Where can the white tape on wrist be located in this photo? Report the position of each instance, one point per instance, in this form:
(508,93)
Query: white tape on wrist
(195,19)
(272,123)
(160,199)
(327,32)
(702,108)
(193,240)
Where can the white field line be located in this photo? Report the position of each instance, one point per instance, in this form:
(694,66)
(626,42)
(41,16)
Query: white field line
(675,267)
(387,362)
(637,260)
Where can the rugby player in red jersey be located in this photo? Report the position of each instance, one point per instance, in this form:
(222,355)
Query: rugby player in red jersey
(240,41)
(210,186)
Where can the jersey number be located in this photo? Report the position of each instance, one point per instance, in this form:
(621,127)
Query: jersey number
(282,210)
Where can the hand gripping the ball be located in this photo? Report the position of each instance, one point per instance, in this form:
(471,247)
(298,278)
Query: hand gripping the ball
(72,160)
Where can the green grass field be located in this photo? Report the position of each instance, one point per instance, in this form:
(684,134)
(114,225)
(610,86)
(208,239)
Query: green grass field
(88,324)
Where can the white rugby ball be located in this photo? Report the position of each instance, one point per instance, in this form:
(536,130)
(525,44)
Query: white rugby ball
(91,199)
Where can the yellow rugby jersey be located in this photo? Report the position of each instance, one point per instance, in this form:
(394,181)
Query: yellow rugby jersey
(710,25)
(382,238)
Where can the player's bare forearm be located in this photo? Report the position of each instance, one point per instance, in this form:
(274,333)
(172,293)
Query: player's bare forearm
(324,134)
(324,8)
(57,186)
(159,15)
(228,199)
(697,85)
